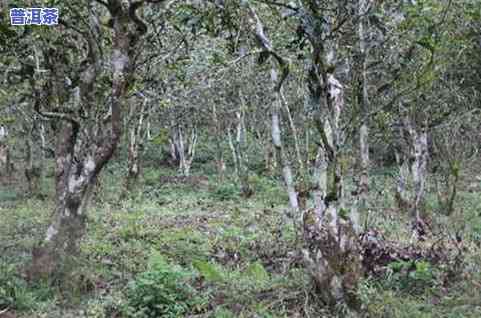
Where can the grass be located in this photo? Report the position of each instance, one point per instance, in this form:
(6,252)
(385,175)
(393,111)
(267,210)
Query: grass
(238,253)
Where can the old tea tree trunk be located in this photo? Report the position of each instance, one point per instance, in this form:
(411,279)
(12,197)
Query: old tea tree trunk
(84,144)
(331,252)
(412,156)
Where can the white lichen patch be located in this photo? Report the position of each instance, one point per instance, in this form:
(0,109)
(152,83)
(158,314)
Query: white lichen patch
(119,61)
(51,232)
(75,183)
(89,164)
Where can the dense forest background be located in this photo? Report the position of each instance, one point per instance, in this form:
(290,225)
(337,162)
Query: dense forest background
(241,158)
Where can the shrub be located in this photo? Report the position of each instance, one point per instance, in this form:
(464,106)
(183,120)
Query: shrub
(151,177)
(14,292)
(161,291)
(414,276)
(226,192)
(223,313)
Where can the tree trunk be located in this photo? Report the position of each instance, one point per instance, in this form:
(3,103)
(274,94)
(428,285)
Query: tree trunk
(34,157)
(133,170)
(74,181)
(136,140)
(4,153)
(239,150)
(181,148)
(362,97)
(331,252)
(266,146)
(412,156)
(185,152)
(220,163)
(450,156)
(83,147)
(419,173)
(173,152)
(281,156)
(295,135)
(233,152)
(447,191)
(269,162)
(192,148)
(402,195)
(32,171)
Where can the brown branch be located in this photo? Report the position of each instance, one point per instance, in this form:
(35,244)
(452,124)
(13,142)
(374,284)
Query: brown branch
(266,44)
(279,4)
(141,26)
(53,115)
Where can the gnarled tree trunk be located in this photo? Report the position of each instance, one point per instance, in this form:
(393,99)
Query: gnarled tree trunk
(412,156)
(419,173)
(331,252)
(73,184)
(84,143)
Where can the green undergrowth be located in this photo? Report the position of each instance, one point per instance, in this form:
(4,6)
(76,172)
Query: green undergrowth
(199,249)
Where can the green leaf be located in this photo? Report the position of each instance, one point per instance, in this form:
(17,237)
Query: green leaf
(344,214)
(162,138)
(257,272)
(207,270)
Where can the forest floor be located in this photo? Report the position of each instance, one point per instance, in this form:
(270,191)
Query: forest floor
(200,250)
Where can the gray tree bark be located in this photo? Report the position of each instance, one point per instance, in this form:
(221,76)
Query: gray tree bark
(277,80)
(360,207)
(135,145)
(331,252)
(220,162)
(184,148)
(412,157)
(33,170)
(4,152)
(84,147)
(281,155)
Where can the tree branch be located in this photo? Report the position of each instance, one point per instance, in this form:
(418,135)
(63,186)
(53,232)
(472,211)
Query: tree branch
(102,3)
(265,43)
(279,4)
